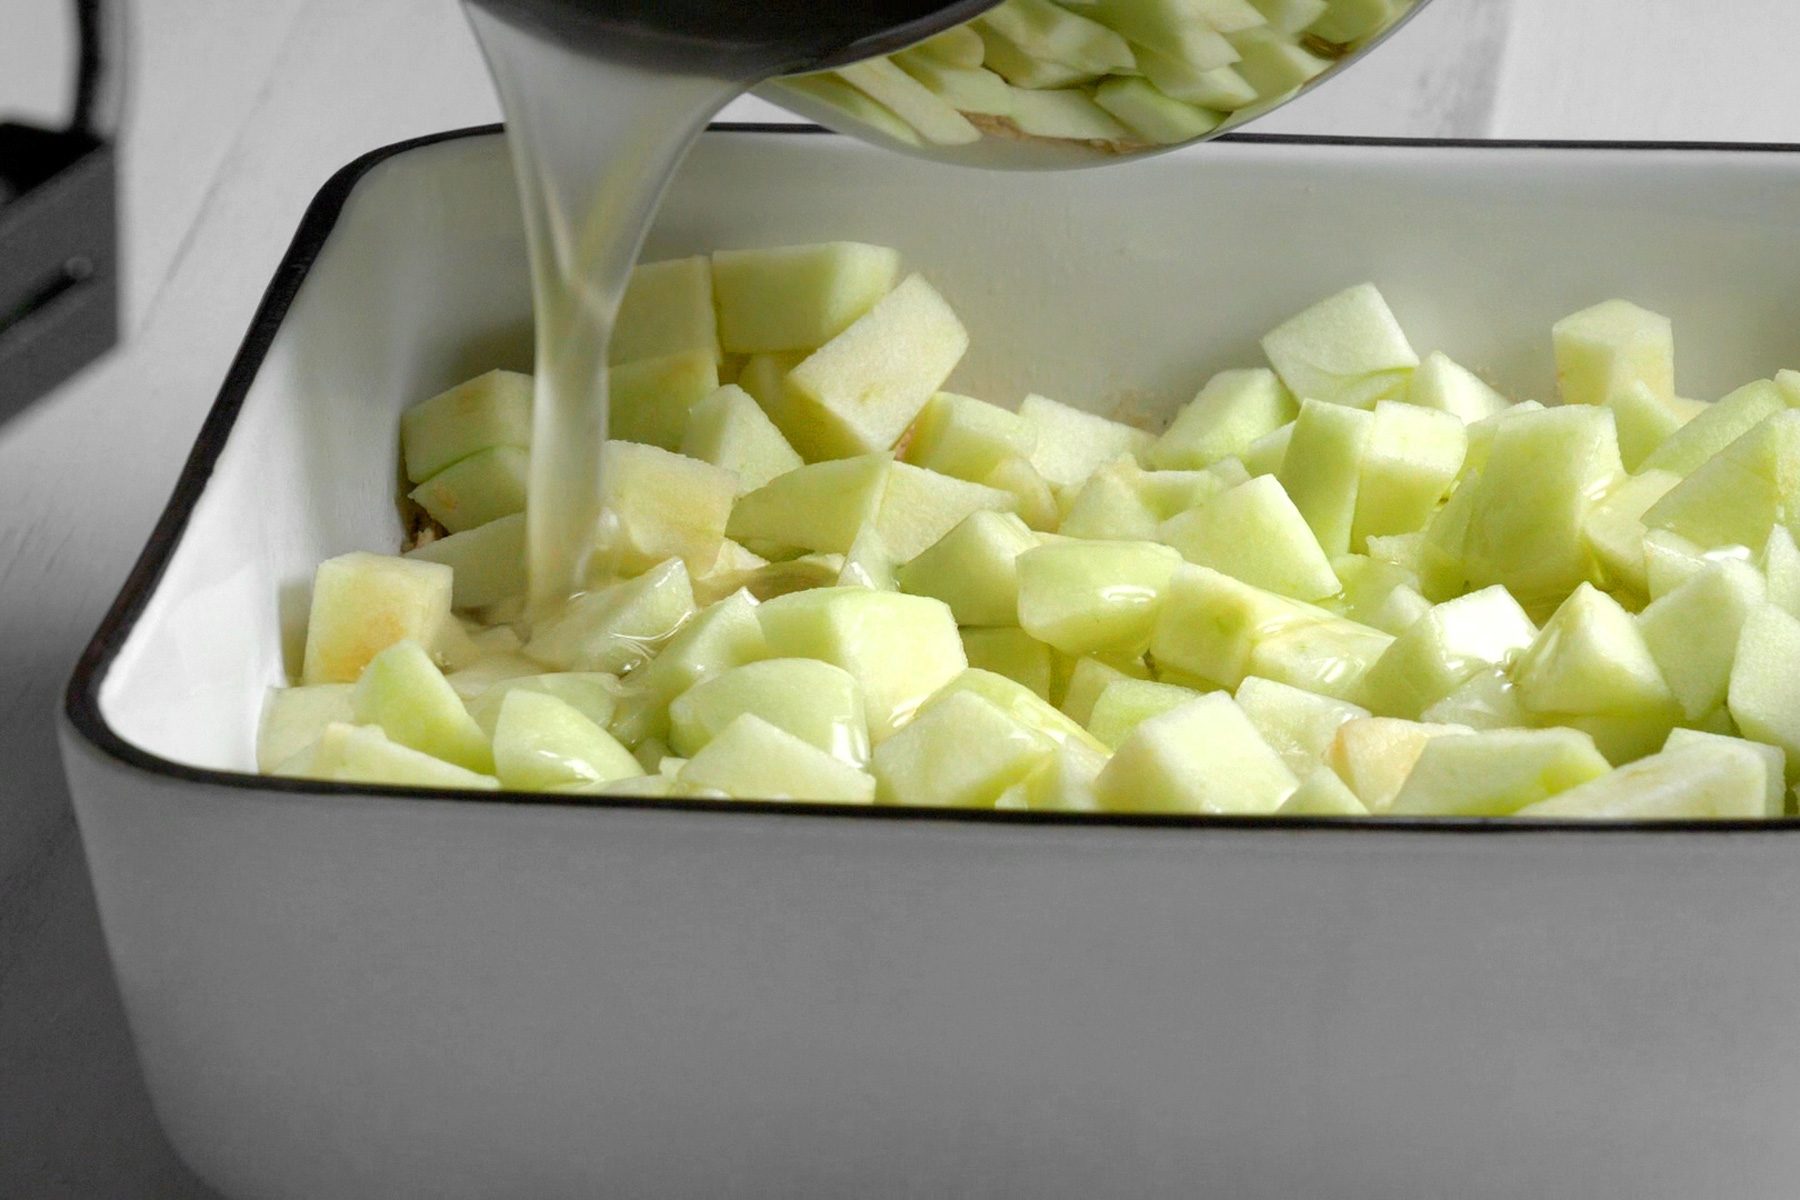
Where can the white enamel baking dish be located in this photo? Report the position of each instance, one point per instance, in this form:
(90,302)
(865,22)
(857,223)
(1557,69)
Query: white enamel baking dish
(373,992)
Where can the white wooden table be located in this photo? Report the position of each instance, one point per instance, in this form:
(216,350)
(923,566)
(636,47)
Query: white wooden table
(239,110)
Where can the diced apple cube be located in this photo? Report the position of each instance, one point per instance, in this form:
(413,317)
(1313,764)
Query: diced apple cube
(1112,504)
(1345,21)
(1497,772)
(1486,700)
(1773,760)
(1072,444)
(1670,560)
(1449,645)
(960,46)
(1322,794)
(966,437)
(721,636)
(1440,383)
(1412,460)
(293,718)
(593,694)
(1168,493)
(1267,453)
(1738,495)
(1764,692)
(973,569)
(1615,530)
(667,309)
(751,759)
(541,741)
(1374,756)
(1062,782)
(1346,349)
(1373,591)
(1715,781)
(1605,349)
(832,93)
(649,400)
(1014,654)
(1645,422)
(1482,433)
(859,391)
(1022,705)
(483,487)
(1032,498)
(1046,31)
(798,297)
(1298,725)
(1210,623)
(1255,533)
(614,628)
(1125,704)
(1219,88)
(1781,569)
(919,506)
(869,562)
(1532,499)
(1321,653)
(1273,65)
(764,376)
(1590,657)
(364,603)
(1089,677)
(730,572)
(1168,27)
(1230,413)
(1396,614)
(729,429)
(1151,115)
(973,89)
(1290,16)
(490,410)
(900,648)
(1087,596)
(960,751)
(485,672)
(363,754)
(1204,757)
(403,692)
(815,701)
(1695,443)
(822,506)
(911,101)
(1003,56)
(488,561)
(657,505)
(1323,468)
(1692,632)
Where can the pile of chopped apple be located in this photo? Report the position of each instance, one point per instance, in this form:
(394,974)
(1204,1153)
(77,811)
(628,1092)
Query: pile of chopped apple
(1122,73)
(1351,582)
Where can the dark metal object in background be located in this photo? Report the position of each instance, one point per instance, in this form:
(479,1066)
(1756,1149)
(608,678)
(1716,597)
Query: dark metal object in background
(59,242)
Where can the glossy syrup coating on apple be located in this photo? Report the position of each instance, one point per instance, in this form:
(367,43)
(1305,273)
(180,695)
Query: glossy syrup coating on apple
(1058,82)
(1347,583)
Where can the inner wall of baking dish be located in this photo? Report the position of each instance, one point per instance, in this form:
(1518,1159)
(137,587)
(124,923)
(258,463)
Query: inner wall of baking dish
(1118,290)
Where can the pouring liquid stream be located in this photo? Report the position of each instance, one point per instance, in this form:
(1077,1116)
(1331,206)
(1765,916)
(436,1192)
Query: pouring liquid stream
(594,142)
(603,97)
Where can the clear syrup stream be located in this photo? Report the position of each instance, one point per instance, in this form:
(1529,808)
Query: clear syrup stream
(594,142)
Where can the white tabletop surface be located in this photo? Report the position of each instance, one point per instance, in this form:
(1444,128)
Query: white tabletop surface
(239,110)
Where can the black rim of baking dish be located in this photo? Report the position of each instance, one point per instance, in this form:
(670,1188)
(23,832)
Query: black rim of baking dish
(82,698)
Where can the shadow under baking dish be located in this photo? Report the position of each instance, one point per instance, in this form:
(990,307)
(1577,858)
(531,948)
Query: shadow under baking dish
(350,991)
